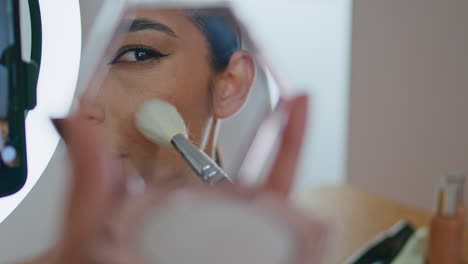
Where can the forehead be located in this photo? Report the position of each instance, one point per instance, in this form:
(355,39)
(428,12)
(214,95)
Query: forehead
(176,20)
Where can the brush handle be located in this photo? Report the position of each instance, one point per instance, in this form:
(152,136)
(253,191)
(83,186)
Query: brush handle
(201,164)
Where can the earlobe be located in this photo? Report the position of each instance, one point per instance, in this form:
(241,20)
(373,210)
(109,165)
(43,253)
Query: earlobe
(233,86)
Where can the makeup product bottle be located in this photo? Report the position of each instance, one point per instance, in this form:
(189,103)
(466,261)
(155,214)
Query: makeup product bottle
(446,228)
(458,179)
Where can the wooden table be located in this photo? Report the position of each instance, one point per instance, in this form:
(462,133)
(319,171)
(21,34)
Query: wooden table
(358,216)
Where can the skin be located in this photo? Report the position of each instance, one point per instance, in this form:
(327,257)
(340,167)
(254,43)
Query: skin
(181,74)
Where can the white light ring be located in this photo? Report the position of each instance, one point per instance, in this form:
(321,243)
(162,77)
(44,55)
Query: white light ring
(61,51)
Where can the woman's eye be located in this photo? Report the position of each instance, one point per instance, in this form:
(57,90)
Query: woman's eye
(136,55)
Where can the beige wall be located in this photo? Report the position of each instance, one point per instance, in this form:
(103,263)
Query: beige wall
(409,96)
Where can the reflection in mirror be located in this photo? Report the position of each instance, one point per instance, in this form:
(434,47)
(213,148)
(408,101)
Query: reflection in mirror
(199,60)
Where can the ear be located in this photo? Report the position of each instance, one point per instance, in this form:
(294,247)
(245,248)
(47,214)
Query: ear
(233,85)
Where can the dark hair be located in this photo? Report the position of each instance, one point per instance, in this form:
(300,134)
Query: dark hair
(221,31)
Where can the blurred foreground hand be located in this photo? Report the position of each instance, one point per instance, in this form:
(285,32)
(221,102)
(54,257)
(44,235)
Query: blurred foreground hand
(102,218)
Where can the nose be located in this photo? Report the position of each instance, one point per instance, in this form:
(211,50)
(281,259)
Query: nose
(92,111)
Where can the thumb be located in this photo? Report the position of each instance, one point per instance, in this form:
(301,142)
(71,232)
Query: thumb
(92,189)
(285,164)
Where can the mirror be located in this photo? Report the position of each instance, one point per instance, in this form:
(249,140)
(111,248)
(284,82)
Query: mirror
(202,60)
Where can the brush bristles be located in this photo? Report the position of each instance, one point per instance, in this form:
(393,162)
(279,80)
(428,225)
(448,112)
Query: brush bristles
(159,122)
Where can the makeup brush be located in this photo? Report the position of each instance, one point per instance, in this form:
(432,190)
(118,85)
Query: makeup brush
(160,122)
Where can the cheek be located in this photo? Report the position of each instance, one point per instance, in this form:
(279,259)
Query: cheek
(125,92)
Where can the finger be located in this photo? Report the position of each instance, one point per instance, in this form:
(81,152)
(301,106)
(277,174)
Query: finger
(92,186)
(284,168)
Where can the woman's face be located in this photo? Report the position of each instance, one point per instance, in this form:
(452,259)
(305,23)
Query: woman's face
(163,55)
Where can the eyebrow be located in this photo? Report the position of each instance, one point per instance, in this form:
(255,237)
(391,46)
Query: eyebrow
(140,24)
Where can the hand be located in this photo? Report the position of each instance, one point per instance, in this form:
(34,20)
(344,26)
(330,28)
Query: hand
(101,216)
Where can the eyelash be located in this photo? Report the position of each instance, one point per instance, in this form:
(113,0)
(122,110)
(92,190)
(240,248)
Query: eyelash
(153,54)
